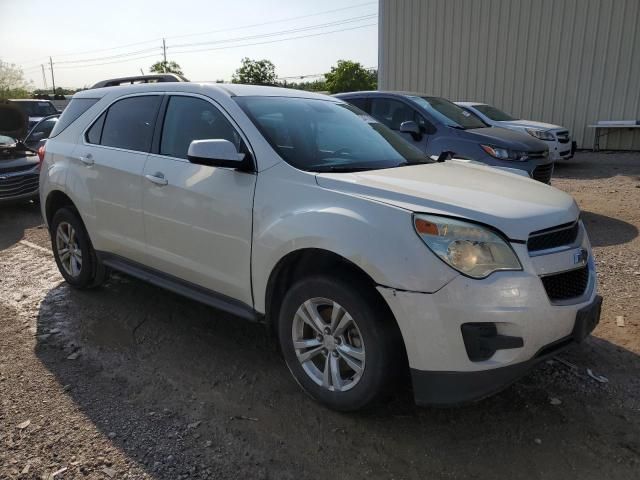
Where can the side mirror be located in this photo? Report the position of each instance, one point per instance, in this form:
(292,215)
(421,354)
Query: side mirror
(215,153)
(412,128)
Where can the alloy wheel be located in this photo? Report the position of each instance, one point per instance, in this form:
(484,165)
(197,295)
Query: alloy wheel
(328,344)
(68,249)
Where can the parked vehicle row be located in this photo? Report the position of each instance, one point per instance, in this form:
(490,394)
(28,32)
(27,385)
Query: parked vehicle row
(436,125)
(365,257)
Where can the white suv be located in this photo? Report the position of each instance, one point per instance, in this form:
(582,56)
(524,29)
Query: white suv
(299,210)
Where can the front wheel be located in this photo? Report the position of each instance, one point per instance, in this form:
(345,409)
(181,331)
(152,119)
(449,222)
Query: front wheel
(338,342)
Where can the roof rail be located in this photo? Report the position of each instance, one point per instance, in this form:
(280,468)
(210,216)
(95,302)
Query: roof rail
(164,77)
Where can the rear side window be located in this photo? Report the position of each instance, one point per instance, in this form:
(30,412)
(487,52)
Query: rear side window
(129,123)
(76,107)
(94,134)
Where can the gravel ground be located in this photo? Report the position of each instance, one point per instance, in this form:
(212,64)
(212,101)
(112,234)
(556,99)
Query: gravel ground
(130,381)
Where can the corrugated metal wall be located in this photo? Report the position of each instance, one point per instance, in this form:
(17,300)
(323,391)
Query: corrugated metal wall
(568,62)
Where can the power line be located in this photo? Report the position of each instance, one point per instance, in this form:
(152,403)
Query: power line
(137,55)
(213,42)
(301,77)
(120,55)
(30,69)
(66,67)
(71,67)
(27,63)
(277,40)
(281,32)
(108,49)
(312,75)
(282,20)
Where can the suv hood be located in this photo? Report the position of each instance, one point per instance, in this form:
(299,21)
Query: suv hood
(511,203)
(501,137)
(530,124)
(13,121)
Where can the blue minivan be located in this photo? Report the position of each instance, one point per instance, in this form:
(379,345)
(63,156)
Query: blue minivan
(437,126)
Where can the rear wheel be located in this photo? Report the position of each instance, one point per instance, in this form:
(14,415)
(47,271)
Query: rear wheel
(73,251)
(338,343)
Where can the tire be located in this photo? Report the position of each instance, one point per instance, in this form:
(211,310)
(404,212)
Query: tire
(86,271)
(370,335)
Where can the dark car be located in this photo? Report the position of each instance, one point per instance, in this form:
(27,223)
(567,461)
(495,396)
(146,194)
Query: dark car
(19,161)
(438,126)
(36,110)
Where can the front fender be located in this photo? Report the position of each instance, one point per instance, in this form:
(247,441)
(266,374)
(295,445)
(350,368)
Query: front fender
(377,237)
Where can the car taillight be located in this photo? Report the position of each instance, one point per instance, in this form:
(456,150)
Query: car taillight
(40,155)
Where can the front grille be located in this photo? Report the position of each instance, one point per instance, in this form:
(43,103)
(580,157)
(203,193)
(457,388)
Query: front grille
(553,237)
(538,154)
(18,168)
(18,185)
(543,173)
(563,137)
(566,285)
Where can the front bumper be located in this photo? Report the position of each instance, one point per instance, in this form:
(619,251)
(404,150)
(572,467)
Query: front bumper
(562,150)
(538,168)
(515,303)
(451,388)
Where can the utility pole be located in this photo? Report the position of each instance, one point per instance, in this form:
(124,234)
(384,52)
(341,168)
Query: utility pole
(44,77)
(164,51)
(53,80)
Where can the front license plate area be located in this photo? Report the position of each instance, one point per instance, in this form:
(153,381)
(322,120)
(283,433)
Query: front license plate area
(586,319)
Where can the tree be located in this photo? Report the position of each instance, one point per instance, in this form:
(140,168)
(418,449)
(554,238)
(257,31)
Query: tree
(12,82)
(313,86)
(255,72)
(350,76)
(165,66)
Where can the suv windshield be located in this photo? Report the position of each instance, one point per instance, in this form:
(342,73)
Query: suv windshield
(449,113)
(324,136)
(37,109)
(493,113)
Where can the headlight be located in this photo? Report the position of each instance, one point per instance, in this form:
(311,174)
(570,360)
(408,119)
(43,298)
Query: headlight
(540,134)
(504,153)
(471,249)
(501,153)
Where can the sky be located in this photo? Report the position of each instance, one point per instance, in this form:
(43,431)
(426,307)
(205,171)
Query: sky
(90,40)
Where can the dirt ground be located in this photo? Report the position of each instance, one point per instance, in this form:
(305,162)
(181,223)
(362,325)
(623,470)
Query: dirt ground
(130,381)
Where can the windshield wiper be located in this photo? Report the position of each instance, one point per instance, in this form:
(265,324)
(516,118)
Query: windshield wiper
(457,127)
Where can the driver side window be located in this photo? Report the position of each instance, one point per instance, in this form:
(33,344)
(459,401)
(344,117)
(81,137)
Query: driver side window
(191,118)
(391,112)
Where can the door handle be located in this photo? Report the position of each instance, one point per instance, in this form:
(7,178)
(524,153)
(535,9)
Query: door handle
(157,178)
(87,160)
